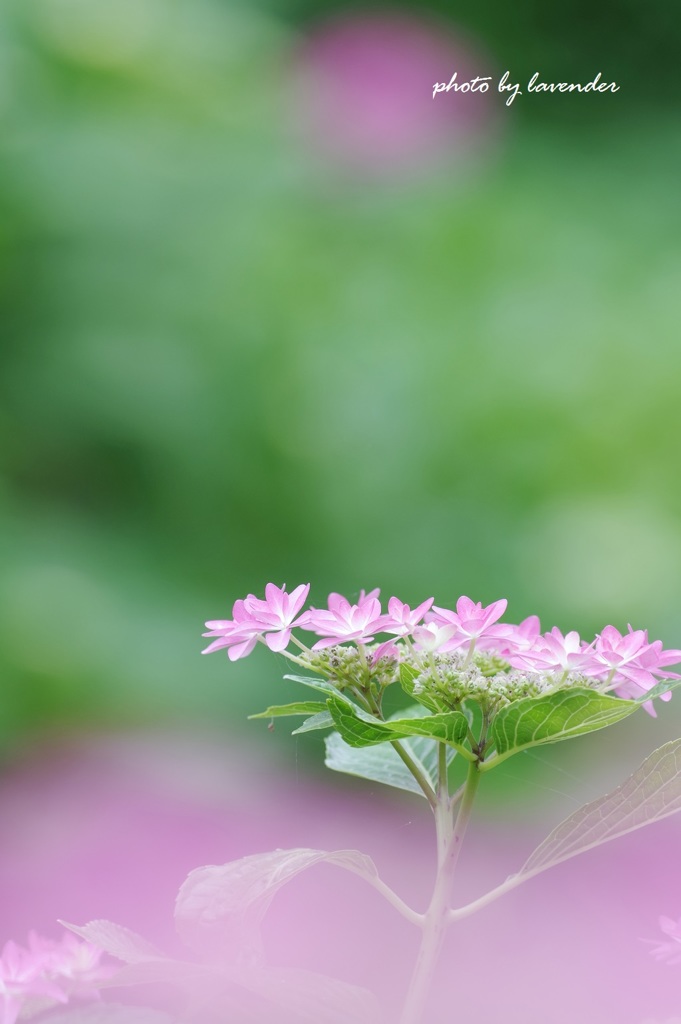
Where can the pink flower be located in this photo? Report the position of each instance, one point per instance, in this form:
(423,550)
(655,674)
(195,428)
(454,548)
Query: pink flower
(343,621)
(23,975)
(634,663)
(276,615)
(431,637)
(613,650)
(70,961)
(274,618)
(519,639)
(388,649)
(554,652)
(401,620)
(670,951)
(364,92)
(473,623)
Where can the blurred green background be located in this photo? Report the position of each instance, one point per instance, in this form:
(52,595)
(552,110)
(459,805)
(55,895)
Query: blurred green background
(229,358)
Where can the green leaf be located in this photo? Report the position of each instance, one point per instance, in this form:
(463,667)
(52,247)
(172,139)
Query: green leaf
(323,685)
(303,707)
(653,792)
(557,716)
(657,691)
(323,720)
(381,763)
(408,677)
(361,730)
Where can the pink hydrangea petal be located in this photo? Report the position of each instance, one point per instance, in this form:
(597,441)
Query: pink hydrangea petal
(297,598)
(278,641)
(328,641)
(242,650)
(421,609)
(386,649)
(217,645)
(274,597)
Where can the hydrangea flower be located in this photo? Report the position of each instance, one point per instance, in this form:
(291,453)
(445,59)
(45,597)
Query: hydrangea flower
(520,638)
(668,951)
(401,620)
(632,664)
(273,619)
(47,972)
(473,623)
(343,621)
(22,977)
(554,652)
(466,646)
(432,637)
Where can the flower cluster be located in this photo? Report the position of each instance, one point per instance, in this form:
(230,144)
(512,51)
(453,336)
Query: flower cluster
(453,653)
(45,973)
(669,950)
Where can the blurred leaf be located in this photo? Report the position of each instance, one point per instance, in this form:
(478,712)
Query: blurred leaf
(110,1013)
(219,909)
(313,997)
(653,792)
(116,940)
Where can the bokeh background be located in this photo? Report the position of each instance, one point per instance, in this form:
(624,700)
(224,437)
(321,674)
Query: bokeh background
(271,312)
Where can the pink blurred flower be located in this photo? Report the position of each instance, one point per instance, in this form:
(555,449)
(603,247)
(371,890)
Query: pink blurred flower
(364,95)
(74,963)
(47,972)
(20,979)
(669,951)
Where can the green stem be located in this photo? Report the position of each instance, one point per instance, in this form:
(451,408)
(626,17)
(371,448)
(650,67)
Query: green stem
(291,657)
(443,812)
(301,645)
(422,780)
(469,656)
(450,840)
(424,783)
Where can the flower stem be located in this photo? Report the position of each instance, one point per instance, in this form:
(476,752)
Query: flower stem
(423,782)
(291,657)
(469,656)
(301,645)
(450,839)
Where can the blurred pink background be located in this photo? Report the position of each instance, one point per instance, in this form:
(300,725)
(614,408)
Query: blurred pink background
(109,827)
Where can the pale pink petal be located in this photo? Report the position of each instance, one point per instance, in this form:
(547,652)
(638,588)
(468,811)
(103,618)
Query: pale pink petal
(242,650)
(278,641)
